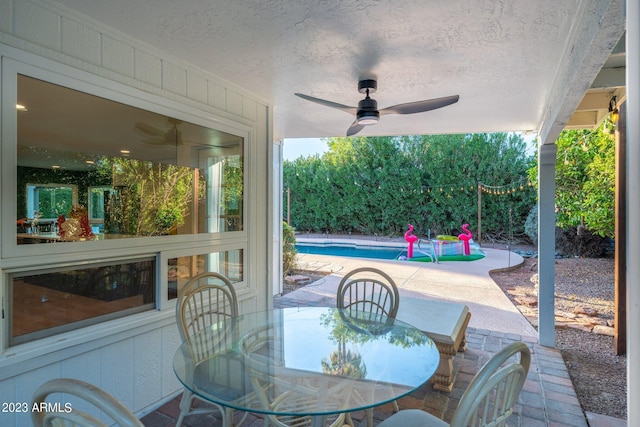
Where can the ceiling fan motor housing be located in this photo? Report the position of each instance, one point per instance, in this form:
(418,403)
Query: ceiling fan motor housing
(370,85)
(367,112)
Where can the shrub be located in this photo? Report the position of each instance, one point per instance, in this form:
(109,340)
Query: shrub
(288,249)
(531,225)
(578,241)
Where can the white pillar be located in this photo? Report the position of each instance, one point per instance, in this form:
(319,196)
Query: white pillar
(546,243)
(276,244)
(633,207)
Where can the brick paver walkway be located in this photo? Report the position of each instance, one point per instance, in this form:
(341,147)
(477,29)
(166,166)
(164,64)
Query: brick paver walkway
(548,397)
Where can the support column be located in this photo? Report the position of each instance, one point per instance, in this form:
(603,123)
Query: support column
(546,243)
(633,207)
(620,242)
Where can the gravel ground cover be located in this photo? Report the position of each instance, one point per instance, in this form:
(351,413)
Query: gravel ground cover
(584,288)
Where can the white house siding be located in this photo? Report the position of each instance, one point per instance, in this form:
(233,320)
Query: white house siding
(131,358)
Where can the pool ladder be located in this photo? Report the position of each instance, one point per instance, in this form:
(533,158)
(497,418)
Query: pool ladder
(431,251)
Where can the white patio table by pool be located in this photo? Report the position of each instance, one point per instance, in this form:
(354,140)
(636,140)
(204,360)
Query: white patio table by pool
(269,362)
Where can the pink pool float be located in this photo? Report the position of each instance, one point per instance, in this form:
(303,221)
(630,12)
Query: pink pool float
(411,239)
(465,237)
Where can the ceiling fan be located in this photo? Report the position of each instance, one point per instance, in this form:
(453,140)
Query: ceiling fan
(367,112)
(173,136)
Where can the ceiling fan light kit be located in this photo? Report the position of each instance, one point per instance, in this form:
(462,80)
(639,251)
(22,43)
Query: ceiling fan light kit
(367,112)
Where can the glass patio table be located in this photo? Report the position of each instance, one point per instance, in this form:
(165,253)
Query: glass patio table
(306,361)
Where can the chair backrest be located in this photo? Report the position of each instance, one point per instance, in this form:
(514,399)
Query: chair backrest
(205,300)
(489,399)
(61,415)
(369,291)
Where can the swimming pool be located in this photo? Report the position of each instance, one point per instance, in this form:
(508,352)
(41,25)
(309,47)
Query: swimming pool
(388,252)
(351,250)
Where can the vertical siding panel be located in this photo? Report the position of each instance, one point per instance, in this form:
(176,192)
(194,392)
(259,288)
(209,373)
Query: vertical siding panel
(5,16)
(234,103)
(249,108)
(118,358)
(27,384)
(174,78)
(197,88)
(147,386)
(85,367)
(117,56)
(170,343)
(148,68)
(80,41)
(8,393)
(37,25)
(217,96)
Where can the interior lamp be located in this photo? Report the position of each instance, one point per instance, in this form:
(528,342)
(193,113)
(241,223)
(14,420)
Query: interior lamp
(614,114)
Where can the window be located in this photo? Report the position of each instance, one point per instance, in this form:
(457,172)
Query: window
(45,202)
(99,169)
(50,200)
(98,200)
(48,302)
(79,168)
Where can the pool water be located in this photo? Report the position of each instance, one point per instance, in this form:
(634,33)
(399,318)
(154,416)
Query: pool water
(383,252)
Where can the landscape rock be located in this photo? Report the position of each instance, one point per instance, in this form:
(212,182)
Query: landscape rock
(586,311)
(296,279)
(527,301)
(604,330)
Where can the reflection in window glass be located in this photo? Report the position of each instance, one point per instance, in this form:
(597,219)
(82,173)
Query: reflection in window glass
(98,200)
(133,172)
(180,270)
(46,303)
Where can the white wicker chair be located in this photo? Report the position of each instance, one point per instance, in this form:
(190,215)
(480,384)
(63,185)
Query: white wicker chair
(291,395)
(368,293)
(71,417)
(489,399)
(205,300)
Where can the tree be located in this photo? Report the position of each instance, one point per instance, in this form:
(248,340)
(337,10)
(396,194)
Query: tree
(585,180)
(150,198)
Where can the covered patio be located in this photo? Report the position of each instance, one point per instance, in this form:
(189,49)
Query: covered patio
(235,66)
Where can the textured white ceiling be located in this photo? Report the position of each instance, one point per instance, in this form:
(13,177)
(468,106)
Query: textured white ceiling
(503,58)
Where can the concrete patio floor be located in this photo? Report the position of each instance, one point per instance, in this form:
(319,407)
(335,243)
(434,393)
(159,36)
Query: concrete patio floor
(548,397)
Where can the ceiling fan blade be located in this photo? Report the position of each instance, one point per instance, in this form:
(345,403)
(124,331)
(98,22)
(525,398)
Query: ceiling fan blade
(154,141)
(420,106)
(148,129)
(354,128)
(346,108)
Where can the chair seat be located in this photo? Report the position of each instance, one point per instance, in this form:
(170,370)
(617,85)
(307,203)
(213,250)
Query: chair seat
(413,418)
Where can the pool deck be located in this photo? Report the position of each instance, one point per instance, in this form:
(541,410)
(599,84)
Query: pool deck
(465,282)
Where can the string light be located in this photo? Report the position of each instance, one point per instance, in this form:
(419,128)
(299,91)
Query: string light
(520,185)
(506,189)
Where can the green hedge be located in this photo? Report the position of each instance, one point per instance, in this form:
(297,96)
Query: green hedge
(376,186)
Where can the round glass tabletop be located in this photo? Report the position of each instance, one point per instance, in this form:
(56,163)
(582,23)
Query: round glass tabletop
(305,361)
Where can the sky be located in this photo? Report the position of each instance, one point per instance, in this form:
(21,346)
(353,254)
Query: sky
(296,147)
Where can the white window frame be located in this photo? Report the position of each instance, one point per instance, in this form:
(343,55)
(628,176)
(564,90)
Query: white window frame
(14,257)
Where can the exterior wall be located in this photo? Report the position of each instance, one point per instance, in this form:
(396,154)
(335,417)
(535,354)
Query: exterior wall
(131,357)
